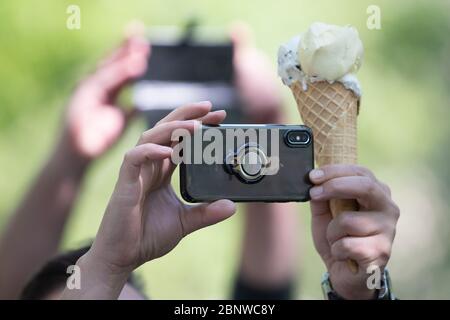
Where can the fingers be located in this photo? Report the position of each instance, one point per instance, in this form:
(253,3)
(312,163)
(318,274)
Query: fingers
(117,54)
(325,173)
(206,214)
(329,172)
(181,118)
(320,208)
(215,117)
(367,192)
(134,28)
(359,224)
(126,63)
(188,112)
(321,218)
(137,156)
(363,250)
(365,236)
(241,35)
(132,44)
(385,188)
(162,134)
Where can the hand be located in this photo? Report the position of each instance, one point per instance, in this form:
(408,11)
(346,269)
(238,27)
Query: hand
(145,219)
(93,121)
(255,79)
(364,236)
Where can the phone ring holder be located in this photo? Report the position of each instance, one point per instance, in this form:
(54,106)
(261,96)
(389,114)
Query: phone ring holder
(247,163)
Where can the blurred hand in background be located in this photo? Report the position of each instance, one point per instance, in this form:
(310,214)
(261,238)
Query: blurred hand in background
(255,78)
(94,122)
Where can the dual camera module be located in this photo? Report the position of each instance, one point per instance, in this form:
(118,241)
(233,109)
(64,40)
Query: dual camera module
(297,138)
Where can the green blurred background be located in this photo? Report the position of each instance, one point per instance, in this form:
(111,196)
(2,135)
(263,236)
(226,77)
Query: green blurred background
(403,125)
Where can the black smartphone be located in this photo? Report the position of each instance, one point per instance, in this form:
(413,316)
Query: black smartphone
(185,69)
(247,163)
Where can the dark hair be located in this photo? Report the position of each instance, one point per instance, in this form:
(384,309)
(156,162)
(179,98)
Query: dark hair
(54,276)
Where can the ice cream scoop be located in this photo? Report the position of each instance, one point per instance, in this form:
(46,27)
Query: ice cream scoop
(323,53)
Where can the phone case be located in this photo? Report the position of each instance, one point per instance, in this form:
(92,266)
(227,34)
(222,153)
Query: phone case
(204,182)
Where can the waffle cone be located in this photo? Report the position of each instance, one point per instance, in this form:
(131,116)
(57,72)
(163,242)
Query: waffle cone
(330,110)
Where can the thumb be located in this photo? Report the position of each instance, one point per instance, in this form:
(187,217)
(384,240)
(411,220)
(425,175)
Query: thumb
(241,35)
(206,214)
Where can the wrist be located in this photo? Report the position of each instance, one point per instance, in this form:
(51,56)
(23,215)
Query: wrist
(67,158)
(352,289)
(99,280)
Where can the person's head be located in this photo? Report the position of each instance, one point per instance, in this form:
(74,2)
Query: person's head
(50,281)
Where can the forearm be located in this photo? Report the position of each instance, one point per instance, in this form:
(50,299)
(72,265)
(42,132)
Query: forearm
(97,281)
(270,244)
(34,231)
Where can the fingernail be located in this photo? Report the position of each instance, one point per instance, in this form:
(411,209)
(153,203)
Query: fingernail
(316,191)
(205,102)
(316,174)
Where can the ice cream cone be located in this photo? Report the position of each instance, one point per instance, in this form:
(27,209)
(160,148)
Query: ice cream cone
(330,110)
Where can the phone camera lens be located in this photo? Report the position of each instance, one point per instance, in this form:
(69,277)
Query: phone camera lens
(298,137)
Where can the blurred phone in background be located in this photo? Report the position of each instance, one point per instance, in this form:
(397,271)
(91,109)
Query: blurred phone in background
(189,65)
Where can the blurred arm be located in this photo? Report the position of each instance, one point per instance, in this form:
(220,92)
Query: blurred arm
(270,245)
(93,123)
(35,229)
